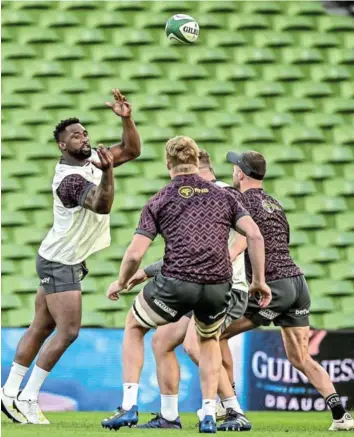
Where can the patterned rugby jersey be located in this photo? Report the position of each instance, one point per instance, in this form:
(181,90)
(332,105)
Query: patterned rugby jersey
(194,217)
(273,224)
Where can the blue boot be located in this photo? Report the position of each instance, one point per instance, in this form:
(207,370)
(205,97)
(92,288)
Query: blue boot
(161,422)
(207,425)
(122,418)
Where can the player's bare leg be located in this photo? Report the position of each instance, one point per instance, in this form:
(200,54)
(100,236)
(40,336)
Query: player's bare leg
(28,347)
(296,343)
(65,309)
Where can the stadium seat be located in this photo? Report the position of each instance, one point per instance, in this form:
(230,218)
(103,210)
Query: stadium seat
(224,38)
(15,18)
(245,104)
(65,53)
(211,22)
(16,51)
(264,89)
(312,89)
(17,252)
(333,155)
(84,36)
(254,55)
(325,204)
(273,39)
(292,23)
(323,120)
(235,72)
(347,305)
(339,105)
(343,135)
(335,23)
(330,287)
(302,56)
(287,203)
(18,318)
(294,104)
(347,89)
(107,20)
(241,22)
(293,187)
(312,271)
(92,319)
(8,70)
(306,221)
(223,119)
(330,73)
(348,172)
(306,171)
(336,320)
(265,8)
(319,39)
(305,8)
(208,56)
(322,305)
(299,134)
(275,153)
(205,135)
(10,186)
(334,238)
(219,7)
(10,302)
(59,19)
(318,254)
(13,133)
(252,134)
(80,5)
(299,238)
(339,187)
(342,270)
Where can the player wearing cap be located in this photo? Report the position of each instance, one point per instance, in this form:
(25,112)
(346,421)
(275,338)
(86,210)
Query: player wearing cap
(194,216)
(290,305)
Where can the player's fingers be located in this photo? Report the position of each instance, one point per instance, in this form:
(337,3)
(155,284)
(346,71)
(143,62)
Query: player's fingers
(117,94)
(97,164)
(109,104)
(102,157)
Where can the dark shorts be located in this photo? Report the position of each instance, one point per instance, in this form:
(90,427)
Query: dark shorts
(290,305)
(55,277)
(235,310)
(173,298)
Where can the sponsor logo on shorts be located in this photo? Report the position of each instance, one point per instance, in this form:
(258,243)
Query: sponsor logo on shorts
(45,281)
(80,275)
(269,314)
(188,192)
(165,308)
(302,312)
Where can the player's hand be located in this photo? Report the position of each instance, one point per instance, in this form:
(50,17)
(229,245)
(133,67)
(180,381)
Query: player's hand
(106,159)
(120,106)
(113,291)
(263,291)
(139,277)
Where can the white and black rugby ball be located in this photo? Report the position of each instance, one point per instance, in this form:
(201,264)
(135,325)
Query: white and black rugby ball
(183,28)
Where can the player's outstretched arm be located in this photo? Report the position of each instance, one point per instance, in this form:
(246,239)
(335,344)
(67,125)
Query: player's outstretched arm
(130,147)
(255,244)
(100,198)
(130,264)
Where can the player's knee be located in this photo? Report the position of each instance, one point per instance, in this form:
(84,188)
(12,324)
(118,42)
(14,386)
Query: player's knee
(191,350)
(158,344)
(41,331)
(70,334)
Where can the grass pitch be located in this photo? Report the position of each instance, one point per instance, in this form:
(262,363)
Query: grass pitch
(86,424)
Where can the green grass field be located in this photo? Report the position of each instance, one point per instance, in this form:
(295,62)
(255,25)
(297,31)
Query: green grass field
(84,424)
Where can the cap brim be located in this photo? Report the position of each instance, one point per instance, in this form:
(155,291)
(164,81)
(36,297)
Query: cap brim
(233,157)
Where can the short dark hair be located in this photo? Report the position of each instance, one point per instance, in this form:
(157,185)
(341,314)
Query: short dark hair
(62,125)
(255,161)
(204,158)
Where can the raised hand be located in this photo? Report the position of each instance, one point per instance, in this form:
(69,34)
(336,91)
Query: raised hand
(120,106)
(106,158)
(113,291)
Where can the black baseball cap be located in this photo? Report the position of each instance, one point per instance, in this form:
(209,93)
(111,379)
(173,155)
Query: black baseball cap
(246,162)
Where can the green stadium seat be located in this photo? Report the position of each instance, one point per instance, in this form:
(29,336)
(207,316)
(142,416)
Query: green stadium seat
(22,202)
(298,134)
(6,35)
(91,319)
(161,86)
(16,51)
(313,271)
(264,89)
(90,70)
(203,103)
(118,220)
(80,5)
(206,55)
(307,171)
(107,20)
(339,187)
(219,7)
(43,219)
(299,238)
(347,305)
(293,187)
(287,203)
(56,18)
(99,268)
(30,35)
(334,321)
(347,89)
(47,101)
(265,8)
(170,6)
(343,135)
(305,8)
(11,219)
(282,73)
(245,104)
(330,73)
(325,204)
(19,85)
(70,86)
(252,134)
(312,89)
(184,71)
(254,55)
(225,38)
(171,118)
(44,69)
(65,53)
(32,5)
(322,305)
(318,254)
(7,268)
(341,56)
(12,169)
(273,39)
(141,71)
(323,120)
(131,203)
(319,39)
(235,72)
(132,37)
(294,104)
(10,302)
(306,221)
(155,54)
(219,88)
(348,41)
(273,119)
(6,152)
(275,172)
(12,101)
(9,69)
(293,23)
(339,105)
(348,172)
(146,21)
(19,318)
(17,252)
(334,238)
(302,56)
(156,134)
(102,303)
(209,22)
(333,155)
(205,135)
(15,18)
(335,23)
(342,270)
(10,186)
(84,36)
(118,318)
(242,22)
(16,133)
(149,153)
(330,287)
(276,153)
(150,187)
(223,119)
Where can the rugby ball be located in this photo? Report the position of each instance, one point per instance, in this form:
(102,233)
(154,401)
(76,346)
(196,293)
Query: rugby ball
(182,28)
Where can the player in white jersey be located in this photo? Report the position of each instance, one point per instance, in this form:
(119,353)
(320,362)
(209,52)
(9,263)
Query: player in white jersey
(83,191)
(168,337)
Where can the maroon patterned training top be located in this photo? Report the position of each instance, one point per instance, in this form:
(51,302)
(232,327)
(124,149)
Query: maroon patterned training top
(273,224)
(194,217)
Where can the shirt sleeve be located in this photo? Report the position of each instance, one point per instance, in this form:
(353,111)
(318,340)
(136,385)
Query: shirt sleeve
(148,223)
(73,190)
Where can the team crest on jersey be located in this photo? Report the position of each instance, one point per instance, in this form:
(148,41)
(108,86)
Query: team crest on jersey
(186,192)
(269,206)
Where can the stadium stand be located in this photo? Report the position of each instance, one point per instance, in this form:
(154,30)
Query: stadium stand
(276,77)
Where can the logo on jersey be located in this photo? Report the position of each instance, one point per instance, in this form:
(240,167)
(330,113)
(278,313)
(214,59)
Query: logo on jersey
(269,206)
(188,192)
(45,281)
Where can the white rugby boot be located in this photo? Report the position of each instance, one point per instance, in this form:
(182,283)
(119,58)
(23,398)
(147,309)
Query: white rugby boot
(30,409)
(346,423)
(8,408)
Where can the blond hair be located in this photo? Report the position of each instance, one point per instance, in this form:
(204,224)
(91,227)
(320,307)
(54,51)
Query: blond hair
(182,155)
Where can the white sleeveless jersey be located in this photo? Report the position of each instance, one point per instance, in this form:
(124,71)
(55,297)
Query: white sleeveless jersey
(77,232)
(239,281)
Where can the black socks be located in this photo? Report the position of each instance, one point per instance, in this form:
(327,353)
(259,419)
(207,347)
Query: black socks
(335,404)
